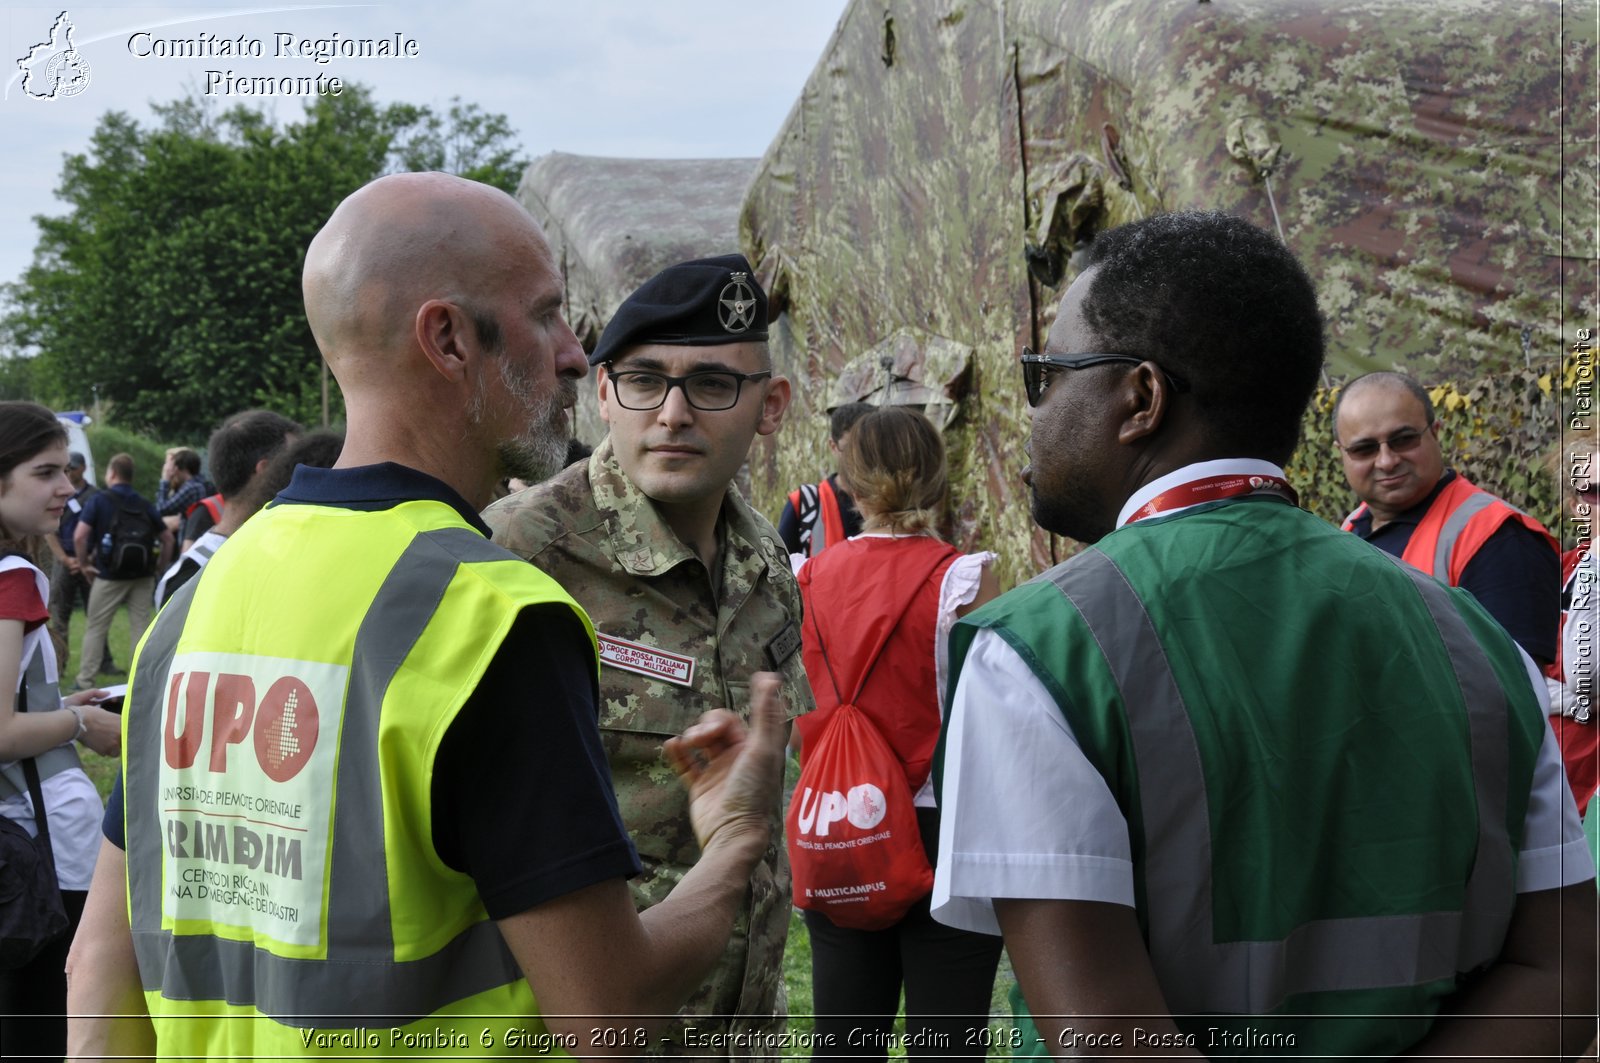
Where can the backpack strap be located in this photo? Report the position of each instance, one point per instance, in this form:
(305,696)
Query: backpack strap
(806,512)
(30,770)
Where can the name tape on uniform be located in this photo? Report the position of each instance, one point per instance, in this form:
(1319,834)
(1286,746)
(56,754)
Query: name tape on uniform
(646,660)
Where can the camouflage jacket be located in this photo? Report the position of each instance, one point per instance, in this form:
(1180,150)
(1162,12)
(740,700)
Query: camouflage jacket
(671,647)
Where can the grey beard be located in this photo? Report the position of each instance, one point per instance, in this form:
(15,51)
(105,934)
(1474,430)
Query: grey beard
(541,452)
(533,458)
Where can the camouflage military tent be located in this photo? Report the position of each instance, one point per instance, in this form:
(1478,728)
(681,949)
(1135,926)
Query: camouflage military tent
(614,223)
(945,159)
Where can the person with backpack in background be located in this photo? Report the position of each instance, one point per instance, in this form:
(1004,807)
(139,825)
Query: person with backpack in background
(817,516)
(68,585)
(124,536)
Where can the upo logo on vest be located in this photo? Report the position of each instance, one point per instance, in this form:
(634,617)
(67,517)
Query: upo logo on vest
(246,789)
(863,806)
(284,721)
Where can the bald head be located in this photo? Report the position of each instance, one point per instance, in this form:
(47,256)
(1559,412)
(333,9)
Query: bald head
(1385,381)
(398,242)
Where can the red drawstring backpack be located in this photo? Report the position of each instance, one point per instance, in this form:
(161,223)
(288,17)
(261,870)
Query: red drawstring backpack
(854,847)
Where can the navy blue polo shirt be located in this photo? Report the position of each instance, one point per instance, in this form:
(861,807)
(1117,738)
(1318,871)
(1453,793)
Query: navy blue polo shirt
(522,760)
(1515,575)
(371,488)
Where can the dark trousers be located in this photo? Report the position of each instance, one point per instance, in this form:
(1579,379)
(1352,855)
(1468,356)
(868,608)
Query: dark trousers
(856,977)
(33,999)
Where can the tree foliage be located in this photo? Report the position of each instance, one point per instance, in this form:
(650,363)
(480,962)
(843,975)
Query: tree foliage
(466,141)
(171,288)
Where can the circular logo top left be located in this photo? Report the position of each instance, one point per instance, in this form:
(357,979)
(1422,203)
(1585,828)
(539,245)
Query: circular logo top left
(54,69)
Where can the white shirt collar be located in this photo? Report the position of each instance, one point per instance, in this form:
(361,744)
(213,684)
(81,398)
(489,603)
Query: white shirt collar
(1198,471)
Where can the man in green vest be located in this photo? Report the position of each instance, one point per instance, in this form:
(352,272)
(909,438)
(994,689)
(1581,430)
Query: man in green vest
(367,809)
(1229,781)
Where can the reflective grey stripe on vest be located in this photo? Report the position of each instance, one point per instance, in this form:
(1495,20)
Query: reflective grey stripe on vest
(42,696)
(1454,525)
(1491,888)
(360,978)
(1196,973)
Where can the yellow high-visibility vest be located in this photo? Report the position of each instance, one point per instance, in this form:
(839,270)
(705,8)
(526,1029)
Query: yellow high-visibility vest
(285,710)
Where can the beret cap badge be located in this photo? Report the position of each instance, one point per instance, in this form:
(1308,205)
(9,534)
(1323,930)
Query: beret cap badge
(705,302)
(738,301)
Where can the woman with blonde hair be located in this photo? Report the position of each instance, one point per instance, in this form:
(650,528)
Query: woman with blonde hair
(878,612)
(38,730)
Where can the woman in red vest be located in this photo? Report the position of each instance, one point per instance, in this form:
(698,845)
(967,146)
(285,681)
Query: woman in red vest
(878,610)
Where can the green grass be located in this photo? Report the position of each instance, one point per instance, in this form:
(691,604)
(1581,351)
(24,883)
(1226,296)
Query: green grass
(101,769)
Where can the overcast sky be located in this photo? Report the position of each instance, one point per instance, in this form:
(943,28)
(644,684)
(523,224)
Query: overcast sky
(632,78)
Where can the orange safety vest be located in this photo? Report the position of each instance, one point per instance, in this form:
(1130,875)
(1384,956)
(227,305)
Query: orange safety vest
(1460,521)
(828,516)
(213,504)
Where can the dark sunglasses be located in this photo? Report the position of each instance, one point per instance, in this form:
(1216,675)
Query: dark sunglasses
(1034,379)
(1401,442)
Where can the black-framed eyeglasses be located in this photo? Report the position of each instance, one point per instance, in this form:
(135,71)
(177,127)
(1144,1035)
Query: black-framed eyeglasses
(1401,442)
(1035,380)
(707,389)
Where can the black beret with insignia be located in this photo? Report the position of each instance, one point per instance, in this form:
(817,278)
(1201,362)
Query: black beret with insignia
(703,303)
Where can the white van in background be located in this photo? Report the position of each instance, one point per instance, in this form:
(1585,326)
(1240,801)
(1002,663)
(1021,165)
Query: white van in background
(74,421)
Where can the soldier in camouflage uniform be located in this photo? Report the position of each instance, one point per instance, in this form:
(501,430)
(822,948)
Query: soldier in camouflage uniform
(689,589)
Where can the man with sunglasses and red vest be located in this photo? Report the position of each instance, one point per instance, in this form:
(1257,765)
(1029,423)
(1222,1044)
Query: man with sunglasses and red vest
(1432,518)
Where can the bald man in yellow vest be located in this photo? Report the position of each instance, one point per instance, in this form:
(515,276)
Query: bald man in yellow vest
(367,810)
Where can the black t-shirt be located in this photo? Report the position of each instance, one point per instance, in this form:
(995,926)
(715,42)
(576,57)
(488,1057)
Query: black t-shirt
(181,573)
(522,796)
(521,792)
(1515,575)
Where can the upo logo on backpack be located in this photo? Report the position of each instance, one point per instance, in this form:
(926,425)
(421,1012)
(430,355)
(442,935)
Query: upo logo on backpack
(863,806)
(133,539)
(855,850)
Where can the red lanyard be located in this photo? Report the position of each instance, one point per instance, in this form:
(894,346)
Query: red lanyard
(1212,488)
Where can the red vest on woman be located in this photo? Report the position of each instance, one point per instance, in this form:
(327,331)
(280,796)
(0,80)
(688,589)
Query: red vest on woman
(871,611)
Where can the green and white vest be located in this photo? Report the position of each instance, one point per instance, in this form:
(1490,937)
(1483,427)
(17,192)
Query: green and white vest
(1323,756)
